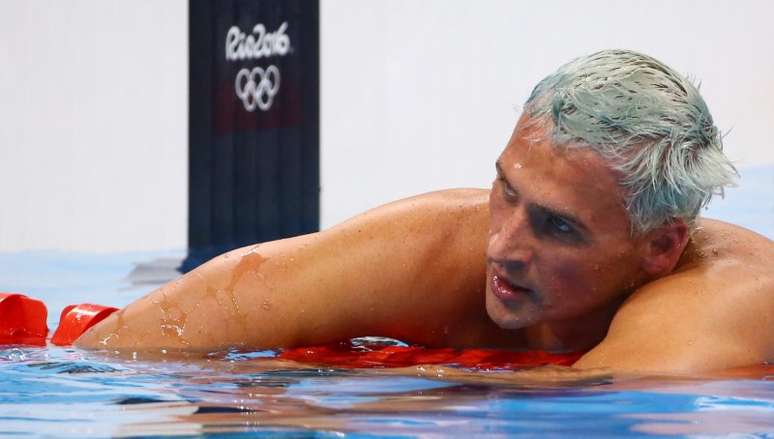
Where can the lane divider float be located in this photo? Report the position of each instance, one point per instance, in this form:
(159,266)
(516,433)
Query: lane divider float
(347,355)
(23,320)
(76,319)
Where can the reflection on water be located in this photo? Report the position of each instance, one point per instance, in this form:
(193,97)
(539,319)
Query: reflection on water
(71,393)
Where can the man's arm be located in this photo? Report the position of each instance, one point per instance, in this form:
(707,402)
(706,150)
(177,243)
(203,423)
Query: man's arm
(716,313)
(405,270)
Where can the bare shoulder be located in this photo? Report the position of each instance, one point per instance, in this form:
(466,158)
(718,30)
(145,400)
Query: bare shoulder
(438,240)
(714,312)
(717,243)
(462,201)
(442,224)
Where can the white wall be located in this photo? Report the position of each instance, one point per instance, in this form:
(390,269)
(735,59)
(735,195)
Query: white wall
(416,96)
(93,124)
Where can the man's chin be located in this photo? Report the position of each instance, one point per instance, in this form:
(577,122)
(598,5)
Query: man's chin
(515,316)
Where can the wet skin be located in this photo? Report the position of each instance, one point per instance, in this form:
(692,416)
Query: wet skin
(545,260)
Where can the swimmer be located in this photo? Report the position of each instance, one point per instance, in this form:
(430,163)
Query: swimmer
(589,241)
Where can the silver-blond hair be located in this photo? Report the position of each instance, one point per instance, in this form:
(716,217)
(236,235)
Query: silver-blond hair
(648,122)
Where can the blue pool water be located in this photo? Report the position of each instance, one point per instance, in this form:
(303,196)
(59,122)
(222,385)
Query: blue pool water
(57,392)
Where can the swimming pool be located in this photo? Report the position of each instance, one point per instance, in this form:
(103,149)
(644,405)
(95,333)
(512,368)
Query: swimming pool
(58,392)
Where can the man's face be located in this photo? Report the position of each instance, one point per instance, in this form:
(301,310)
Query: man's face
(559,241)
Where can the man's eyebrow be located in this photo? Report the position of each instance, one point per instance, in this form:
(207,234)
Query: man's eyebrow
(572,219)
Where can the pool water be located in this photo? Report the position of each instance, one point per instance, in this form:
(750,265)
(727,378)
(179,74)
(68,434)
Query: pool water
(59,392)
(66,392)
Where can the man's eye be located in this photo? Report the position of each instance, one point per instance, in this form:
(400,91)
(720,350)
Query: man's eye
(508,191)
(559,225)
(556,228)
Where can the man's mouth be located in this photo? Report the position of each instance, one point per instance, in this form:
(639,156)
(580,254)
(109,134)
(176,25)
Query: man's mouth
(506,291)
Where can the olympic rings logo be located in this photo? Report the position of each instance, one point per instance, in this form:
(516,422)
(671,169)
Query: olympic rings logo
(257,87)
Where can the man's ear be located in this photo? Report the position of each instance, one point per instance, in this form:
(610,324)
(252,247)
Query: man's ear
(663,247)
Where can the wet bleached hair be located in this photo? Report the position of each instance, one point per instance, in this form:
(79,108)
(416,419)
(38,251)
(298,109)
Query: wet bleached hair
(648,122)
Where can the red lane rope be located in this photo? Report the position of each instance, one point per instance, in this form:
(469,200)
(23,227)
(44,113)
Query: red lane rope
(22,320)
(346,355)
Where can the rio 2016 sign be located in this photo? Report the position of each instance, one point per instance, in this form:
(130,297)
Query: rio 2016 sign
(257,87)
(253,123)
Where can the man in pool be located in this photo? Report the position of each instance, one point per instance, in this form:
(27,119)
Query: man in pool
(588,241)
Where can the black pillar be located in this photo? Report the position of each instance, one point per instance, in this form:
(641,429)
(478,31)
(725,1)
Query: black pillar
(253,123)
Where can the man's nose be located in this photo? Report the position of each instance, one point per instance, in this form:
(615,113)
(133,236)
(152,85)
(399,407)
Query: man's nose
(511,243)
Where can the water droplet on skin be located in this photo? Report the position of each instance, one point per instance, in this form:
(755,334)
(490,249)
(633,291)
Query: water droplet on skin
(173,330)
(249,263)
(715,252)
(517,165)
(266,305)
(105,340)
